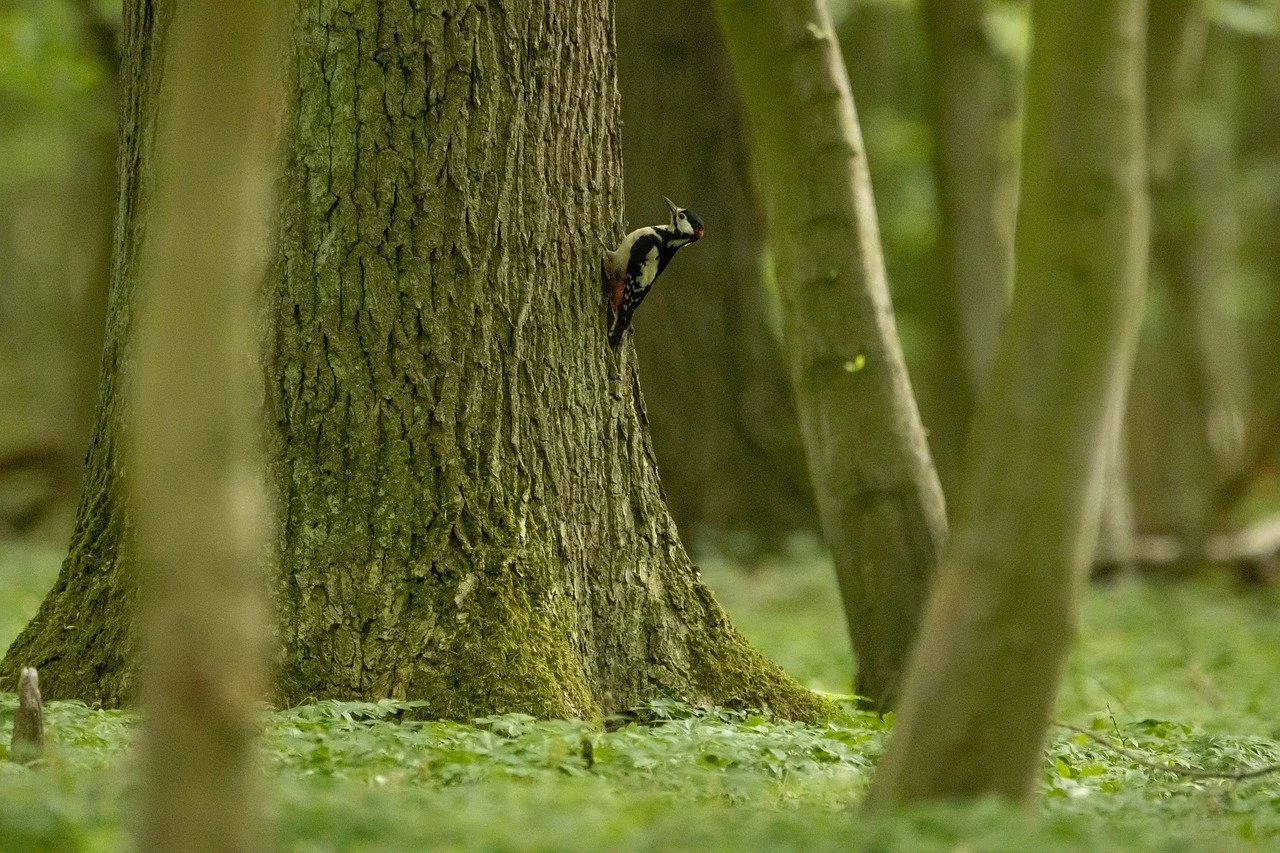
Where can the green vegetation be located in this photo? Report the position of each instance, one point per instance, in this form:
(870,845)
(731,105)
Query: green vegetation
(1185,673)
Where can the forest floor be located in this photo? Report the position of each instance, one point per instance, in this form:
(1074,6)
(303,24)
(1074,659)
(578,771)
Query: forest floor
(1186,672)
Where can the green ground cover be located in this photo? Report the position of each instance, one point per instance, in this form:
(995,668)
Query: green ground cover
(1187,673)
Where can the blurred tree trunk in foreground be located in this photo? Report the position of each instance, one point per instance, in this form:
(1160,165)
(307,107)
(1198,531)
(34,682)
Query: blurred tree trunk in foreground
(56,210)
(469,511)
(201,506)
(980,690)
(878,495)
(720,409)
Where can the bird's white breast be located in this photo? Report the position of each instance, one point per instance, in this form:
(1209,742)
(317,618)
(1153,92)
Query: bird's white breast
(621,256)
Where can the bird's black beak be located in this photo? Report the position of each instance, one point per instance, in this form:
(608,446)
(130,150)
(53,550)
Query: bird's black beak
(672,205)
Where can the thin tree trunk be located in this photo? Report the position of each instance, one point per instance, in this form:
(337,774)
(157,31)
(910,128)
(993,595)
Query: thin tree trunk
(1175,50)
(470,513)
(984,675)
(1115,551)
(720,410)
(1192,403)
(200,499)
(1260,152)
(1167,462)
(1201,252)
(971,106)
(878,495)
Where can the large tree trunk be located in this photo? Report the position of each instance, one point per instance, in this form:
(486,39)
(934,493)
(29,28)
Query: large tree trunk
(720,410)
(201,506)
(984,675)
(878,495)
(469,509)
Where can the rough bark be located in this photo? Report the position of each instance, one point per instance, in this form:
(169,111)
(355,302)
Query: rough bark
(971,104)
(980,690)
(200,500)
(878,496)
(469,509)
(720,410)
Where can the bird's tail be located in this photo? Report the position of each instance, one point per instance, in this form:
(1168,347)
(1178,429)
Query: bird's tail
(620,325)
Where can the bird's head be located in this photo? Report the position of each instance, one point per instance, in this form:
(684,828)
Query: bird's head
(685,222)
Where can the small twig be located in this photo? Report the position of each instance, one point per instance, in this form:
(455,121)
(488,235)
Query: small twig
(1177,769)
(1114,724)
(28,720)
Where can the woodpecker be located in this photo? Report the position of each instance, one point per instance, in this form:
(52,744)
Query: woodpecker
(631,269)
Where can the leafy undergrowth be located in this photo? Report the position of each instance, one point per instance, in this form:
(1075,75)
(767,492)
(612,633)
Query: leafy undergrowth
(358,776)
(351,775)
(1203,652)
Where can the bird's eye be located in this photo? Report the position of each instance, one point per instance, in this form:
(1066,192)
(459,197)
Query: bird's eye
(682,217)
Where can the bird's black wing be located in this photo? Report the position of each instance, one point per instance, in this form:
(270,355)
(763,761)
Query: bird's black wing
(639,267)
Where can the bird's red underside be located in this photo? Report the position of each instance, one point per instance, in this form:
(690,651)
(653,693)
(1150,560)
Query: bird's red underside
(615,294)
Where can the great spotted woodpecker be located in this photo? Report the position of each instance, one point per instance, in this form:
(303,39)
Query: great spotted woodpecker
(631,269)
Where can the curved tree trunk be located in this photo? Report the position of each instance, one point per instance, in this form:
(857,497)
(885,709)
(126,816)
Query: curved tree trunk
(878,495)
(984,675)
(469,509)
(720,410)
